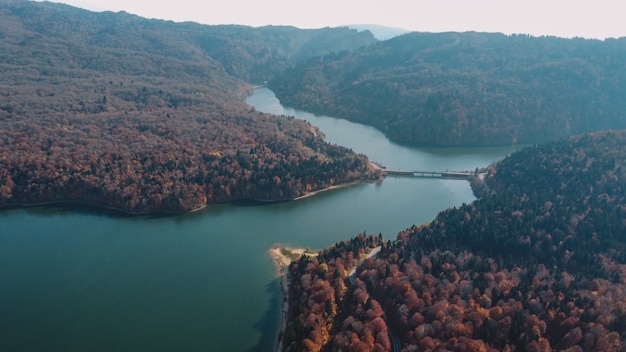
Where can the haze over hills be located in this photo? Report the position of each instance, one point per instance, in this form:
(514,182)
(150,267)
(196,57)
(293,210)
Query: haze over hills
(380,32)
(144,115)
(248,53)
(470,88)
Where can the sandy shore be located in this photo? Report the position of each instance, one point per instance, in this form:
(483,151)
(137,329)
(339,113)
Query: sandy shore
(343,185)
(282,257)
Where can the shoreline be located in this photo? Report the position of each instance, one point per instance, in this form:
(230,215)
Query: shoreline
(164,212)
(281,263)
(85,204)
(333,187)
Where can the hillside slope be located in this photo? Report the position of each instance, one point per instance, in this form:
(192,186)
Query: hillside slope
(248,53)
(133,114)
(538,263)
(455,89)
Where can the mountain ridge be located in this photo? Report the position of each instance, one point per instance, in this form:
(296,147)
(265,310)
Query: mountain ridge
(463,89)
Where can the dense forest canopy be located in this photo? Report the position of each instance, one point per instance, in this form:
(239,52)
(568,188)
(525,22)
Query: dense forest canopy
(145,115)
(251,54)
(538,263)
(138,115)
(259,55)
(468,88)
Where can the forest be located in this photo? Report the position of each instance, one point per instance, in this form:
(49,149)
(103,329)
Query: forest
(148,116)
(467,89)
(537,263)
(252,54)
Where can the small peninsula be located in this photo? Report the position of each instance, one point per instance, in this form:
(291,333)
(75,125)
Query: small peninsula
(283,257)
(287,260)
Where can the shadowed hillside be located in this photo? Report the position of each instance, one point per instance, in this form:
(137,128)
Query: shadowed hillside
(455,89)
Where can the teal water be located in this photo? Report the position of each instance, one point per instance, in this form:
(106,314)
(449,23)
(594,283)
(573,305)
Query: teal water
(83,280)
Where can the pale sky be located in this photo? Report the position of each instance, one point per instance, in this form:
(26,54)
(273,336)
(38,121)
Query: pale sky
(589,18)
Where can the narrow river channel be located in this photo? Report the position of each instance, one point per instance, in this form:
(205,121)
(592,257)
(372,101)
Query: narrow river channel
(84,280)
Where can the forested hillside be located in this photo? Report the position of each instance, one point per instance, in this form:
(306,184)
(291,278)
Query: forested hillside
(136,114)
(538,263)
(455,89)
(258,55)
(248,53)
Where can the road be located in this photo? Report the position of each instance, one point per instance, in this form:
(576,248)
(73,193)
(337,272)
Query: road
(372,253)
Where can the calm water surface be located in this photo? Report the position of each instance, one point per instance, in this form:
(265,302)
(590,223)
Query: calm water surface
(82,280)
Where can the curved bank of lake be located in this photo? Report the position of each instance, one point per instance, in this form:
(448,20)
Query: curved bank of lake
(73,279)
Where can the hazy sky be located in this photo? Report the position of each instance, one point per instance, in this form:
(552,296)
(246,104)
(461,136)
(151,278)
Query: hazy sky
(583,18)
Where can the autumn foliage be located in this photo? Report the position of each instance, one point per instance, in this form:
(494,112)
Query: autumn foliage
(538,263)
(320,293)
(117,111)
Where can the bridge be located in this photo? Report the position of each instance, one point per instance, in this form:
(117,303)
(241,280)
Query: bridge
(454,175)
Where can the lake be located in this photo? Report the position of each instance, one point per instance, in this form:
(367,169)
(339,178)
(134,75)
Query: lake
(75,279)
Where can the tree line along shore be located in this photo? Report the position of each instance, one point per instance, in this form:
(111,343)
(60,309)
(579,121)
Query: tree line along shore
(536,263)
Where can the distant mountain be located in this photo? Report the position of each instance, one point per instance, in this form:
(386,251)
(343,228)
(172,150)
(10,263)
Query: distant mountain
(380,32)
(468,88)
(258,54)
(143,115)
(538,263)
(248,53)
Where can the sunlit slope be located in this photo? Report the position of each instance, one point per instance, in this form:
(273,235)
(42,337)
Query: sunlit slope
(134,114)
